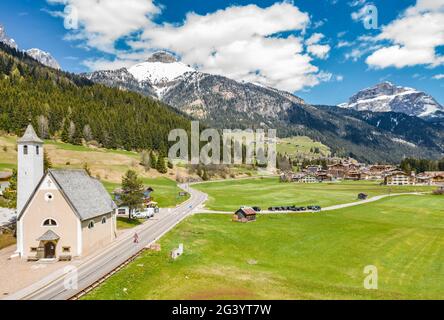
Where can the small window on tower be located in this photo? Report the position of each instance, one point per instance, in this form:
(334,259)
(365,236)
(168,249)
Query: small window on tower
(25,149)
(37,151)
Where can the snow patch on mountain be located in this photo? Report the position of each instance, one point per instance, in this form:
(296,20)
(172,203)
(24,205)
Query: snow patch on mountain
(44,58)
(402,141)
(5,39)
(160,69)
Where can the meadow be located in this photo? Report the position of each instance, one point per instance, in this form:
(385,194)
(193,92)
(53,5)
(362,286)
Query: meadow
(296,256)
(265,192)
(301,146)
(105,164)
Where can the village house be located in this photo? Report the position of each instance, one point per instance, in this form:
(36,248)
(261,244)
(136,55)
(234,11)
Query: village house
(62,214)
(423,179)
(313,169)
(353,175)
(437,177)
(399,178)
(146,198)
(244,214)
(323,176)
(379,171)
(305,178)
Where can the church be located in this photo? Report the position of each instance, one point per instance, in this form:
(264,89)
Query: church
(61,214)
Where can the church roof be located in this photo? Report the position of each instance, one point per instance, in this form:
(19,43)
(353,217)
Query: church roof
(87,195)
(49,236)
(30,136)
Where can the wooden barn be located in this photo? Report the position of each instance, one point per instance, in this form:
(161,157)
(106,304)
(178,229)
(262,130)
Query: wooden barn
(244,214)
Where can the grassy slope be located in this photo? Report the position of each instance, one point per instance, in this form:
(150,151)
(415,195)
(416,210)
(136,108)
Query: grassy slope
(229,195)
(301,146)
(298,256)
(108,165)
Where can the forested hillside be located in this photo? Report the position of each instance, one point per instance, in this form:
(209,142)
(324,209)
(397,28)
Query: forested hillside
(68,106)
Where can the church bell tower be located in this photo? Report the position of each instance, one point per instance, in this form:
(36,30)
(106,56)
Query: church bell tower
(29,165)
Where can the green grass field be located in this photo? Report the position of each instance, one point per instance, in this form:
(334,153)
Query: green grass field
(166,191)
(266,192)
(296,256)
(301,146)
(125,223)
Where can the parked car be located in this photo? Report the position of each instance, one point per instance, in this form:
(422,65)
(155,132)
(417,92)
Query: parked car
(271,209)
(314,208)
(257,209)
(143,214)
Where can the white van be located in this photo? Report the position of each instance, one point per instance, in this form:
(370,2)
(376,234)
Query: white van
(143,214)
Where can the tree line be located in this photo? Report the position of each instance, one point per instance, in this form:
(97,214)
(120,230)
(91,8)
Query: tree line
(421,165)
(73,109)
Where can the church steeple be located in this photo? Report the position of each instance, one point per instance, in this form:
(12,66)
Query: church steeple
(29,165)
(30,136)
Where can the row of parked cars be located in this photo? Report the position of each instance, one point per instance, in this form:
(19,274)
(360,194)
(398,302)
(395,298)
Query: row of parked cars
(295,208)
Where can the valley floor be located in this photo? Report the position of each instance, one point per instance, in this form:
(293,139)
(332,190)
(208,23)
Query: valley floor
(267,192)
(296,256)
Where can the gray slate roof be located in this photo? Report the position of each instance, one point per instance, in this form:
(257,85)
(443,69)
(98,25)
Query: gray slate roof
(87,195)
(30,136)
(49,236)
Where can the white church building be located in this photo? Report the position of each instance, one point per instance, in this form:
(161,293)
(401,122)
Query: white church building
(62,214)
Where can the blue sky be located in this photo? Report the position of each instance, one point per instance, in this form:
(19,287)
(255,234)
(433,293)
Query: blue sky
(343,58)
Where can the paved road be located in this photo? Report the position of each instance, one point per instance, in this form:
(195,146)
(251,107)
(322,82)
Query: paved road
(94,268)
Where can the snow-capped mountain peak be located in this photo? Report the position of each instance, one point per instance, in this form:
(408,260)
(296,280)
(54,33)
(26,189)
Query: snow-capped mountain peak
(160,69)
(5,39)
(386,97)
(43,57)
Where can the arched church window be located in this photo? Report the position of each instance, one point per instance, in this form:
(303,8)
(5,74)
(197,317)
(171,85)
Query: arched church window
(25,149)
(37,150)
(49,223)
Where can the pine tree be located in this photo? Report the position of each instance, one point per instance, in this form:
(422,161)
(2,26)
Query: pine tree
(132,191)
(153,160)
(161,167)
(47,163)
(205,176)
(65,131)
(11,192)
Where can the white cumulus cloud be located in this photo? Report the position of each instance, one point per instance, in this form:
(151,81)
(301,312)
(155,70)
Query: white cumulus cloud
(248,43)
(101,23)
(412,38)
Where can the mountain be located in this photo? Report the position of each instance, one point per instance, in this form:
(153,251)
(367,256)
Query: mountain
(5,39)
(43,57)
(123,80)
(214,99)
(220,102)
(70,107)
(386,97)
